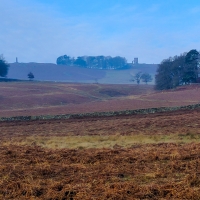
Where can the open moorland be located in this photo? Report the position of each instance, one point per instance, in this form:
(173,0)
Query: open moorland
(143,156)
(152,156)
(48,98)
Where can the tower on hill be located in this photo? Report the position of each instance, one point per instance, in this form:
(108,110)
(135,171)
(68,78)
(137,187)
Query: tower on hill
(135,61)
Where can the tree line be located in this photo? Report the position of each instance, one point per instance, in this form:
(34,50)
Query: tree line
(178,70)
(96,62)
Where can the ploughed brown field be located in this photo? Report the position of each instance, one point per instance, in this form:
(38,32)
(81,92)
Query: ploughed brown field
(149,156)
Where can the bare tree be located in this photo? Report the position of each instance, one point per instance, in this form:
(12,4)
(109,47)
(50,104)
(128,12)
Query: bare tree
(146,78)
(137,77)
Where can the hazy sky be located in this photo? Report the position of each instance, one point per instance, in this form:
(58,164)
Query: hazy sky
(42,30)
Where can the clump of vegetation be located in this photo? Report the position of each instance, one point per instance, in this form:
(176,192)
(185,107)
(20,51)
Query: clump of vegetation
(31,76)
(3,67)
(145,77)
(96,62)
(178,70)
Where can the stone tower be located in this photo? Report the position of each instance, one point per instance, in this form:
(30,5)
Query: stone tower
(135,61)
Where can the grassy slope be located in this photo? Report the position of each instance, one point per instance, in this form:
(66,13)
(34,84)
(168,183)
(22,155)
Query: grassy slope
(37,98)
(177,127)
(53,72)
(43,98)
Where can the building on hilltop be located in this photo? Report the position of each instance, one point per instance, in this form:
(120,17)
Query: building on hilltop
(136,61)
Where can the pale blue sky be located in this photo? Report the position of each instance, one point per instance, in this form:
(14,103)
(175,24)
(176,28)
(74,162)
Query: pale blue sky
(42,30)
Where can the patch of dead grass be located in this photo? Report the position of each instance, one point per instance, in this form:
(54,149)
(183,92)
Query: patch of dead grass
(101,141)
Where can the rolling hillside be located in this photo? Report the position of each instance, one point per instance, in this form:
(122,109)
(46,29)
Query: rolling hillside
(63,73)
(43,98)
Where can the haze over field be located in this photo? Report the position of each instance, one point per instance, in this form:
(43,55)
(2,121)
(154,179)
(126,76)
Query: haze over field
(63,73)
(42,30)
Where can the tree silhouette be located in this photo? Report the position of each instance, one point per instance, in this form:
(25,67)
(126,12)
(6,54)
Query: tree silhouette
(146,78)
(190,69)
(3,67)
(178,70)
(137,77)
(30,76)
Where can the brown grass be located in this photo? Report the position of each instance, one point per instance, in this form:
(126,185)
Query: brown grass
(153,156)
(162,171)
(104,141)
(40,98)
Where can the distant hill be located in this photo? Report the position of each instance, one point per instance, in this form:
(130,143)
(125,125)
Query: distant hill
(148,68)
(64,73)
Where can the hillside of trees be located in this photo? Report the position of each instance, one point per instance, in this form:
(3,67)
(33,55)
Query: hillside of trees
(178,70)
(94,62)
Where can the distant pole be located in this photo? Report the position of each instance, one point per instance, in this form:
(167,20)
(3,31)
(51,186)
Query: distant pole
(16,60)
